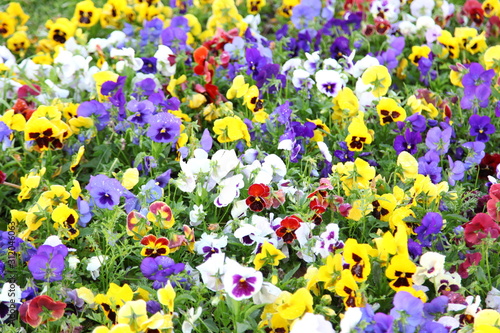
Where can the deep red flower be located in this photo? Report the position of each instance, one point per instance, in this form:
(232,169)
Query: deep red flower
(31,310)
(26,91)
(258,193)
(382,25)
(480,227)
(471,259)
(287,229)
(318,205)
(3,176)
(488,165)
(474,11)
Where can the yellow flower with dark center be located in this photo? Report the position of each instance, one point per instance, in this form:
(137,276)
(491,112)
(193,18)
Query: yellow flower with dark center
(286,8)
(154,247)
(86,14)
(383,206)
(347,288)
(451,46)
(60,30)
(7,25)
(397,219)
(356,255)
(254,6)
(464,35)
(269,255)
(477,44)
(44,133)
(19,42)
(345,105)
(390,111)
(65,220)
(231,129)
(418,52)
(358,134)
(400,271)
(379,78)
(320,131)
(491,8)
(112,12)
(252,100)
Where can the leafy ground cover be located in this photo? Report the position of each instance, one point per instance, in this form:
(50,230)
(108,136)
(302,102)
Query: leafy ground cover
(221,166)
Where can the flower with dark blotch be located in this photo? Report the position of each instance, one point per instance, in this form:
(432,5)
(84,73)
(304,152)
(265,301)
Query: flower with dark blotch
(287,228)
(340,48)
(105,191)
(164,127)
(242,282)
(142,111)
(407,142)
(257,195)
(480,127)
(154,247)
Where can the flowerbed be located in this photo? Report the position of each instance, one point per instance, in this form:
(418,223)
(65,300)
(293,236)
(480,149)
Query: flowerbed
(251,167)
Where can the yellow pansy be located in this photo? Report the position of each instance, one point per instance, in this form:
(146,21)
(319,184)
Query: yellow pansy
(358,134)
(477,44)
(166,296)
(239,88)
(254,6)
(7,25)
(418,52)
(17,13)
(130,178)
(269,255)
(347,288)
(133,314)
(299,303)
(345,105)
(451,45)
(65,220)
(464,34)
(408,164)
(400,271)
(389,111)
(86,14)
(61,30)
(491,58)
(379,78)
(231,129)
(19,42)
(491,8)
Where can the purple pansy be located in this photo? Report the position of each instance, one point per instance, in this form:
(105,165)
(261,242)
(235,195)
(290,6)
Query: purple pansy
(480,127)
(164,127)
(242,282)
(142,111)
(95,110)
(407,142)
(456,171)
(48,263)
(476,86)
(160,270)
(439,140)
(430,226)
(149,65)
(105,191)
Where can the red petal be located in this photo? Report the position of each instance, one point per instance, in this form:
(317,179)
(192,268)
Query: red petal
(200,55)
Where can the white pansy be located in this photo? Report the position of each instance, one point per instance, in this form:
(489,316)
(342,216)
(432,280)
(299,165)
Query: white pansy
(422,7)
(311,64)
(197,215)
(94,264)
(165,64)
(229,190)
(312,323)
(301,79)
(329,82)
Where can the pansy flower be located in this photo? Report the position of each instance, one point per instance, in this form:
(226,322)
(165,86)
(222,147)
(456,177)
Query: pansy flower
(161,270)
(41,309)
(378,78)
(252,100)
(65,220)
(164,127)
(451,46)
(239,88)
(242,282)
(287,228)
(419,52)
(400,271)
(268,255)
(161,214)
(356,255)
(44,132)
(86,14)
(358,134)
(61,30)
(258,194)
(106,192)
(48,263)
(480,227)
(154,247)
(389,111)
(383,206)
(329,82)
(230,129)
(347,288)
(7,25)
